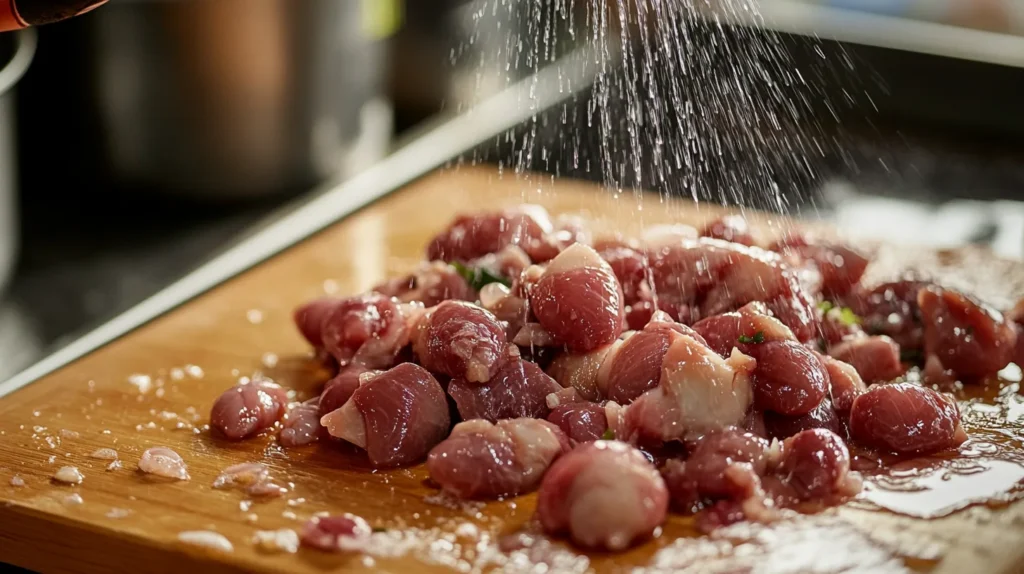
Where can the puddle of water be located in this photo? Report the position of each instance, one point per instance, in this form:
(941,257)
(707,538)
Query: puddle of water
(945,488)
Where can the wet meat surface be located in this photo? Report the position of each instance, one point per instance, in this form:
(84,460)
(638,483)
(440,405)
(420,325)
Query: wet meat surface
(604,495)
(247,409)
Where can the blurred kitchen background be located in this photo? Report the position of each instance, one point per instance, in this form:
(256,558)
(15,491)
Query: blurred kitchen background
(147,135)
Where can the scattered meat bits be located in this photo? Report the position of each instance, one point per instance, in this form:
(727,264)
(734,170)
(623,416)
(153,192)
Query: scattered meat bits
(69,475)
(206,539)
(104,454)
(162,461)
(346,532)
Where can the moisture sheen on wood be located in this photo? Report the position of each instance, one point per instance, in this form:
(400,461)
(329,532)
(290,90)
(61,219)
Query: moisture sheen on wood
(154,387)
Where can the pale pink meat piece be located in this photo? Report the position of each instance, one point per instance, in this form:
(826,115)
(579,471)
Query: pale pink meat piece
(875,358)
(604,495)
(635,365)
(845,383)
(509,262)
(397,416)
(906,419)
(581,422)
(519,389)
(699,392)
(430,284)
(460,339)
(368,329)
(345,532)
(301,424)
(578,300)
(245,410)
(162,461)
(481,459)
(968,337)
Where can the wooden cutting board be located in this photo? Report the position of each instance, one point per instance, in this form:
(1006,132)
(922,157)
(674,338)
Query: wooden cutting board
(155,386)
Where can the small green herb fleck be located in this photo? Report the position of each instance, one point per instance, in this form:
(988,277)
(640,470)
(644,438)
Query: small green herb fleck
(825,306)
(609,434)
(756,339)
(379,529)
(477,277)
(848,317)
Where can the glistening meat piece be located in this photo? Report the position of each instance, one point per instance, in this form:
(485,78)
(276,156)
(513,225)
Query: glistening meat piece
(245,410)
(460,339)
(519,389)
(338,390)
(823,416)
(789,378)
(301,425)
(430,284)
(578,300)
(717,276)
(397,416)
(630,267)
(481,459)
(581,422)
(841,266)
(890,309)
(876,358)
(473,236)
(967,337)
(369,329)
(906,419)
(815,466)
(635,366)
(732,228)
(699,392)
(751,323)
(162,461)
(604,495)
(703,475)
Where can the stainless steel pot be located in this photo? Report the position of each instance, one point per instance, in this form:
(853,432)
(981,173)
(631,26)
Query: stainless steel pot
(16,51)
(235,97)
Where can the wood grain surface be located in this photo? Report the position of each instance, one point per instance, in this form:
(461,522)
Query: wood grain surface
(155,386)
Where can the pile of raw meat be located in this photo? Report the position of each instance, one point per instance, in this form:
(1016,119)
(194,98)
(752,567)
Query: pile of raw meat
(687,370)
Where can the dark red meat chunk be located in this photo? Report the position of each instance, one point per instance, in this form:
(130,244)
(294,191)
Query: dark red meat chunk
(519,389)
(789,378)
(972,340)
(369,329)
(581,422)
(906,419)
